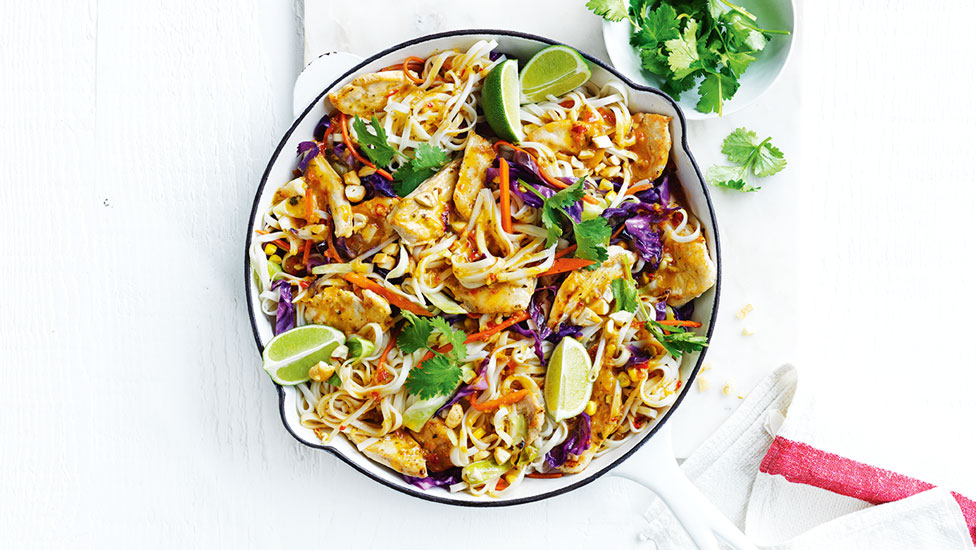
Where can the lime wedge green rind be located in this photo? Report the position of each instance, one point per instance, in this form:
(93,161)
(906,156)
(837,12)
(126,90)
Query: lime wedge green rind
(567,388)
(500,101)
(288,356)
(554,71)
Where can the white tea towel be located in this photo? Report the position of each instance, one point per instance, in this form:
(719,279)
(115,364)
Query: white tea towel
(760,470)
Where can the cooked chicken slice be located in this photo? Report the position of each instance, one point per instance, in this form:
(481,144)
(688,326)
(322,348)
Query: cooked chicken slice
(477,158)
(563,136)
(326,187)
(344,310)
(608,417)
(584,287)
(652,147)
(421,216)
(376,229)
(396,450)
(534,413)
(434,439)
(369,93)
(494,298)
(686,270)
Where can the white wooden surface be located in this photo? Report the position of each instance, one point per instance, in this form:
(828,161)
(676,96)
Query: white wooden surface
(133,412)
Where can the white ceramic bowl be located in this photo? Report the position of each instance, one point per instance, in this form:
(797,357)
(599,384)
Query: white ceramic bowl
(521,46)
(761,74)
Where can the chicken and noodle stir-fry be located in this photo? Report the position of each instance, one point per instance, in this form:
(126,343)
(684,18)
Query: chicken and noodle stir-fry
(455,262)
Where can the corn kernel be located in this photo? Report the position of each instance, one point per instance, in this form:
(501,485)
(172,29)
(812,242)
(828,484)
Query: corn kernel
(478,432)
(635,374)
(591,408)
(359,267)
(367,171)
(623,379)
(501,455)
(511,476)
(611,195)
(605,185)
(270,249)
(275,259)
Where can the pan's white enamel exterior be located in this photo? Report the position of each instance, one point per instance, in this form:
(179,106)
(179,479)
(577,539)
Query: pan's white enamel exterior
(519,46)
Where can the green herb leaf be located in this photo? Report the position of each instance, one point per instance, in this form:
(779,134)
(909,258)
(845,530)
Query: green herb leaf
(683,51)
(438,375)
(740,145)
(455,337)
(624,295)
(414,334)
(743,147)
(427,160)
(768,161)
(611,10)
(714,90)
(676,340)
(374,144)
(592,239)
(738,185)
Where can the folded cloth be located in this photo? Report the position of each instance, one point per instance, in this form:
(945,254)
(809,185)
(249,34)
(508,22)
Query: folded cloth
(787,494)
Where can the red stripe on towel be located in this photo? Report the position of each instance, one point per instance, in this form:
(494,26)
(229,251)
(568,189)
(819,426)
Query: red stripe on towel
(801,463)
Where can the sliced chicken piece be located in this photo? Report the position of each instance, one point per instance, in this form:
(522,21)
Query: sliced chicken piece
(607,419)
(396,450)
(369,93)
(534,413)
(653,145)
(434,439)
(422,215)
(562,136)
(344,310)
(376,229)
(494,298)
(478,156)
(326,187)
(686,270)
(584,287)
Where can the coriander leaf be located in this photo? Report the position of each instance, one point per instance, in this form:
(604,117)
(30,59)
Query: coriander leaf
(374,144)
(740,145)
(624,295)
(737,62)
(683,51)
(414,334)
(768,160)
(611,10)
(676,339)
(427,160)
(550,220)
(653,61)
(716,175)
(454,337)
(428,156)
(661,24)
(435,376)
(743,35)
(714,90)
(675,88)
(334,380)
(553,206)
(592,238)
(738,185)
(568,196)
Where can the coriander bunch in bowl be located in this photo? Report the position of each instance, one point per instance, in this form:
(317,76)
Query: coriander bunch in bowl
(714,47)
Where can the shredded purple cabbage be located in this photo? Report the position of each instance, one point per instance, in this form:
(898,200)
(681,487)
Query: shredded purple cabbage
(637,356)
(563,331)
(377,185)
(493,55)
(684,312)
(438,479)
(647,240)
(322,128)
(307,150)
(343,249)
(285,316)
(576,442)
(315,260)
(660,311)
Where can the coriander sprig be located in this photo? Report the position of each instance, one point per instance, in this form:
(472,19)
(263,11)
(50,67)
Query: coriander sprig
(743,148)
(592,236)
(440,374)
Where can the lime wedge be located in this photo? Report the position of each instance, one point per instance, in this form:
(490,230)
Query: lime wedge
(553,71)
(500,101)
(359,347)
(289,355)
(568,387)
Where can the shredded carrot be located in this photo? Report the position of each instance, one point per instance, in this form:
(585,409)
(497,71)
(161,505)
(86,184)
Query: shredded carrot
(381,374)
(399,301)
(547,475)
(506,399)
(639,188)
(309,205)
(355,153)
(503,196)
(306,251)
(331,251)
(549,179)
(676,323)
(406,71)
(280,242)
(617,232)
(501,484)
(568,250)
(562,265)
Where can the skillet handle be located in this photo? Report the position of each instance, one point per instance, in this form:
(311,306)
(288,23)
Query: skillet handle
(318,74)
(655,467)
